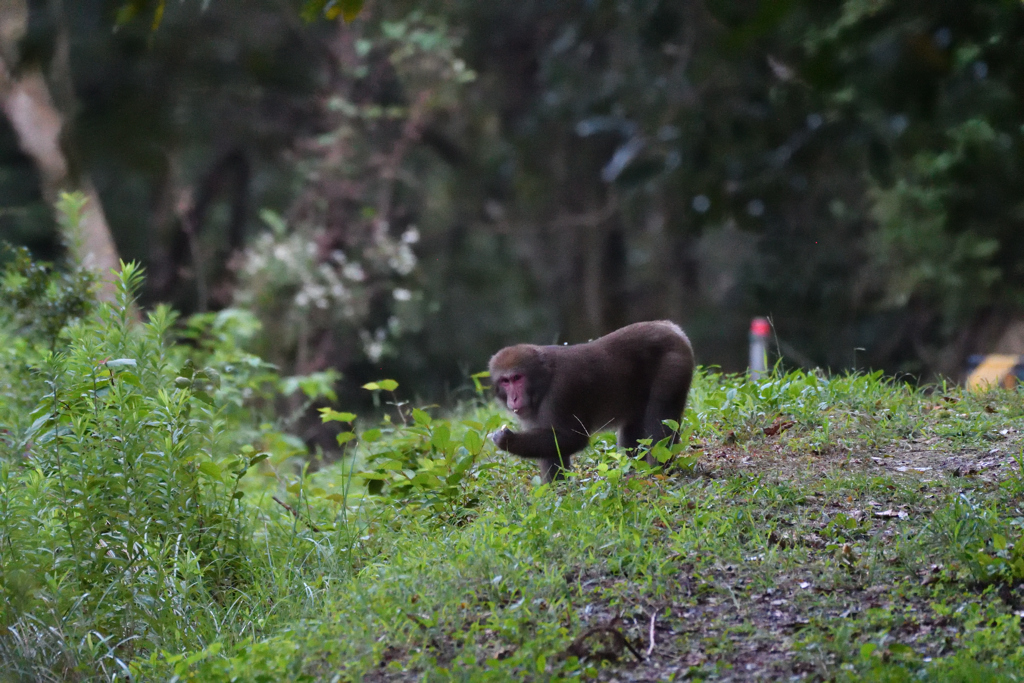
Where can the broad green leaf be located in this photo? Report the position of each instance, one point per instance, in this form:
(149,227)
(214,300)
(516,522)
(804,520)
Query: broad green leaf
(381,385)
(473,441)
(203,397)
(210,469)
(439,439)
(331,415)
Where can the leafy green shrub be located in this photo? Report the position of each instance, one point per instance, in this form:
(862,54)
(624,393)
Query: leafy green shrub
(38,300)
(422,461)
(999,561)
(120,503)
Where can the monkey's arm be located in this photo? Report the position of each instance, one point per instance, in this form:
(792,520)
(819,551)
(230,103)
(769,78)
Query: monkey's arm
(541,444)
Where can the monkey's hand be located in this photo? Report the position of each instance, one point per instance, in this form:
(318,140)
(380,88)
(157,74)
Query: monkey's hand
(500,437)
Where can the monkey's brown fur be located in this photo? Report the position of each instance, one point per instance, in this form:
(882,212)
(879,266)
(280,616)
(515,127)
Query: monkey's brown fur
(631,379)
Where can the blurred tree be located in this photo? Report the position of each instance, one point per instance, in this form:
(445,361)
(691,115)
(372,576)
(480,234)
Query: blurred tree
(41,123)
(932,92)
(848,167)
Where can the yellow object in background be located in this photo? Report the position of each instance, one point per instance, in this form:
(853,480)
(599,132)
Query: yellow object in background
(995,369)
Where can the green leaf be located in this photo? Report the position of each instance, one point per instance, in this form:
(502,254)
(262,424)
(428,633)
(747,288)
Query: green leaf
(383,384)
(371,435)
(312,9)
(331,415)
(204,397)
(439,439)
(211,469)
(129,378)
(867,649)
(345,437)
(476,377)
(999,542)
(121,362)
(464,464)
(900,649)
(274,221)
(420,417)
(473,441)
(347,9)
(258,458)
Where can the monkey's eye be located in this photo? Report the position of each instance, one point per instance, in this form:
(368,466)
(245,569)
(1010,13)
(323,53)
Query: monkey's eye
(516,378)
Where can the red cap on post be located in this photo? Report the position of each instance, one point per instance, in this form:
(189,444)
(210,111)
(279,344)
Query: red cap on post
(760,327)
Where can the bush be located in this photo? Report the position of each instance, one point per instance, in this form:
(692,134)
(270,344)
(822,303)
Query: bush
(120,506)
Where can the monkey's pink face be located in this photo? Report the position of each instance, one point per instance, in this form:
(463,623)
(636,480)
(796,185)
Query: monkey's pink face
(513,387)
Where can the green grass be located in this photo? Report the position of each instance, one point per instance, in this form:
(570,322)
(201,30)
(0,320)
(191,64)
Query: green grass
(156,520)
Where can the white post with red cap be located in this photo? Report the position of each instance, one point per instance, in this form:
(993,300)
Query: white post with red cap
(759,330)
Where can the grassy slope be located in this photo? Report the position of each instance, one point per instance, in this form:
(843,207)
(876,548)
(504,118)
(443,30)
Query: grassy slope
(873,538)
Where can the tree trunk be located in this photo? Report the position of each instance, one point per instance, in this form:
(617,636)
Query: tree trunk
(38,124)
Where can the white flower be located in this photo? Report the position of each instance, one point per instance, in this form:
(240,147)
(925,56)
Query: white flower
(354,272)
(411,236)
(373,345)
(403,261)
(402,294)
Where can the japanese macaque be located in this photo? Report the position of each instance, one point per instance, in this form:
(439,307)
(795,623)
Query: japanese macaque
(631,379)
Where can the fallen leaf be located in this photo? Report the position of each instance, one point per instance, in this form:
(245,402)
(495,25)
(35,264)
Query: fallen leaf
(778,426)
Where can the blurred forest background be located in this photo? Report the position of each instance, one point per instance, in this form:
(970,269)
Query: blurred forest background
(403,194)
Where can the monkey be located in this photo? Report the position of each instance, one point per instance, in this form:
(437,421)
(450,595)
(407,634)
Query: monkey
(632,379)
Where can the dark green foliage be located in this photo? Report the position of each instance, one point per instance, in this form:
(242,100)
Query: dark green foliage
(37,300)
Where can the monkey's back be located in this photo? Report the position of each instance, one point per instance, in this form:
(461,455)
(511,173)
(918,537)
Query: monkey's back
(626,364)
